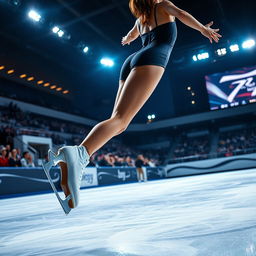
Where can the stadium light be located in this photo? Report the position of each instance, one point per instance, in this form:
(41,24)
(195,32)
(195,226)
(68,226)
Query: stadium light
(31,78)
(194,58)
(222,51)
(11,71)
(55,29)
(234,48)
(150,117)
(203,56)
(60,33)
(15,2)
(107,62)
(86,49)
(248,44)
(32,14)
(83,47)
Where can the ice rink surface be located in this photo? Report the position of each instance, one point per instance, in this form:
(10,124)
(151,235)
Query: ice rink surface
(206,215)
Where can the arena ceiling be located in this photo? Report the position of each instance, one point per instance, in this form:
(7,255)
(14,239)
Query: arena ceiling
(99,24)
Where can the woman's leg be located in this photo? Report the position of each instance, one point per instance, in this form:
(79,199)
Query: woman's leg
(141,175)
(121,85)
(131,96)
(137,88)
(138,174)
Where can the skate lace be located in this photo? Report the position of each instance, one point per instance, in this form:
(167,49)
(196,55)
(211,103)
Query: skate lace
(83,162)
(82,172)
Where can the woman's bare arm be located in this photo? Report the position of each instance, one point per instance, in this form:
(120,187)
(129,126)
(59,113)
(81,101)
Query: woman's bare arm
(190,21)
(131,35)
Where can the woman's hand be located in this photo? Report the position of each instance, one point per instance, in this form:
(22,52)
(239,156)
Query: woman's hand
(125,40)
(210,33)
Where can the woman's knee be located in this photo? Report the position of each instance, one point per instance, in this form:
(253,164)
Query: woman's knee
(120,121)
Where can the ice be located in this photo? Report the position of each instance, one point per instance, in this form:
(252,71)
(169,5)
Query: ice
(202,215)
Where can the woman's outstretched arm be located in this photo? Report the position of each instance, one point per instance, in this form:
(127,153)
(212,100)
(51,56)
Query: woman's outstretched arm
(190,21)
(131,35)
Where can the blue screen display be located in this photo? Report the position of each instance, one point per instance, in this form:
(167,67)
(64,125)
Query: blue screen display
(231,88)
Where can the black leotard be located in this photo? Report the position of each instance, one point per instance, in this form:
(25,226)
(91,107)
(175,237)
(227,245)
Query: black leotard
(157,46)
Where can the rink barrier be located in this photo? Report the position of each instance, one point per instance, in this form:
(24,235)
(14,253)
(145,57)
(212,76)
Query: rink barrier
(247,161)
(16,181)
(20,180)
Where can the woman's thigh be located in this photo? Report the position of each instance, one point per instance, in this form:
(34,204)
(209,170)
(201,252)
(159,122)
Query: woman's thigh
(136,89)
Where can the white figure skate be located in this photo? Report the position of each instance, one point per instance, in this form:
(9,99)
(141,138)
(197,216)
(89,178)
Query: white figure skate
(76,158)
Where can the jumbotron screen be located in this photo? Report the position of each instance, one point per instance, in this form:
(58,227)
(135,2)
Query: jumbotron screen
(232,88)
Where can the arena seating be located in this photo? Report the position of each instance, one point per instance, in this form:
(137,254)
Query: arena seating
(14,121)
(237,142)
(195,146)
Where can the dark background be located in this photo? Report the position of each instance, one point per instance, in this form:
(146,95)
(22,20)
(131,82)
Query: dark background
(32,48)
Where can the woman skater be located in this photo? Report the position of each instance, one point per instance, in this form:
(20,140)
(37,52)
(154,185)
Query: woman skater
(139,76)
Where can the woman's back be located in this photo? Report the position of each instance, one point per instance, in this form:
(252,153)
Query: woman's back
(158,16)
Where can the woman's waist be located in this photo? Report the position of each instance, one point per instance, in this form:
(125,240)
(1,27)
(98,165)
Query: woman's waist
(158,44)
(156,40)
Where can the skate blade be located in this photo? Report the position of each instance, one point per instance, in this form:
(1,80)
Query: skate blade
(47,168)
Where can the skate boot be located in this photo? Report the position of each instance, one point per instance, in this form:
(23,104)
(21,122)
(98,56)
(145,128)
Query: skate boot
(76,158)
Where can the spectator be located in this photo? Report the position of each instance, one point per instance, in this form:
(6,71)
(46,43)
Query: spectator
(14,160)
(103,160)
(112,159)
(8,150)
(146,161)
(129,161)
(149,162)
(118,161)
(92,162)
(4,161)
(27,160)
(18,153)
(139,163)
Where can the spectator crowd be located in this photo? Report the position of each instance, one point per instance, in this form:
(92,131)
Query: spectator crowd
(23,122)
(14,121)
(115,153)
(12,157)
(192,146)
(237,142)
